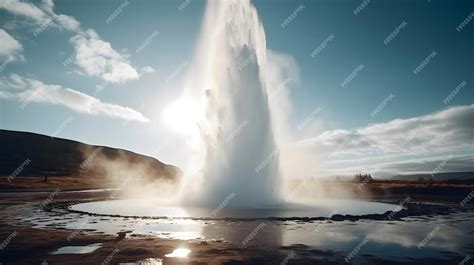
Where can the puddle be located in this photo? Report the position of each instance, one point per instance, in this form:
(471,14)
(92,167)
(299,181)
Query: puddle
(77,249)
(149,261)
(179,253)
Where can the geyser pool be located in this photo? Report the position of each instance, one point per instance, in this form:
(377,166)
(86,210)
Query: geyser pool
(151,208)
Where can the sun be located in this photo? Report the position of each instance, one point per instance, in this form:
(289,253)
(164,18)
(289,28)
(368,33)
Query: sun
(182,116)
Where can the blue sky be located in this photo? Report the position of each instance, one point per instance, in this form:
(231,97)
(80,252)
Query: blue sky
(123,61)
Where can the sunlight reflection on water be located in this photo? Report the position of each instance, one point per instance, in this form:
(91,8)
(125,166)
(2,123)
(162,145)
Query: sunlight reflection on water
(149,261)
(77,249)
(179,253)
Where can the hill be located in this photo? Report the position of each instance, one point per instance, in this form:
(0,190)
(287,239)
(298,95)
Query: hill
(25,154)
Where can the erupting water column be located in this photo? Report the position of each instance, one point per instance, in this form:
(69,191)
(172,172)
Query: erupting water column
(240,161)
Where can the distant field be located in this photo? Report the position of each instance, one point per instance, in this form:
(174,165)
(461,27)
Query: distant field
(37,183)
(385,189)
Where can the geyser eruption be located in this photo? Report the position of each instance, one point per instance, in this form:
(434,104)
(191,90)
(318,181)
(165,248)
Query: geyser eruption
(239,163)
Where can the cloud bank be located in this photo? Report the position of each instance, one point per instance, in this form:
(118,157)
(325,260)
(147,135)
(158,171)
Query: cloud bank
(449,128)
(452,164)
(411,143)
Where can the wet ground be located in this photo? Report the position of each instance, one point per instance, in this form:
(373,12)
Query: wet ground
(433,236)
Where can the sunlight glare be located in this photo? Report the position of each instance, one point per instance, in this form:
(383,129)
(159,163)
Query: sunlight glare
(182,116)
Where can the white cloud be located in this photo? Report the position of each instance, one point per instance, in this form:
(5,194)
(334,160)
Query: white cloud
(25,9)
(28,90)
(10,47)
(388,145)
(97,58)
(60,20)
(67,22)
(42,15)
(147,69)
